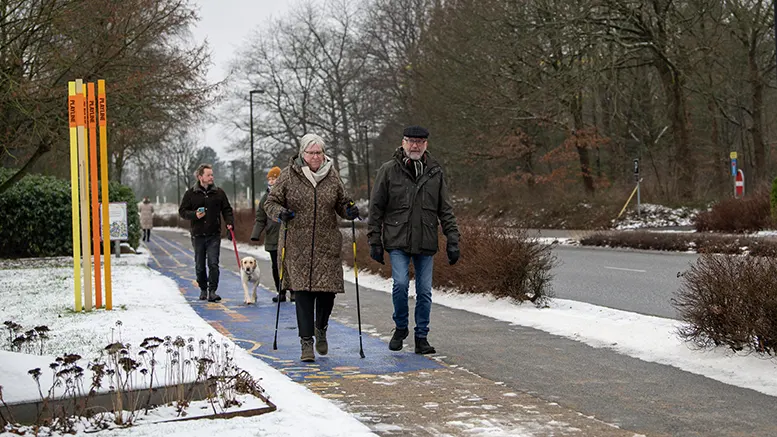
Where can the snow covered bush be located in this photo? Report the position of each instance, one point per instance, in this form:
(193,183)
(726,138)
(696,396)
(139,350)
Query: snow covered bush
(730,301)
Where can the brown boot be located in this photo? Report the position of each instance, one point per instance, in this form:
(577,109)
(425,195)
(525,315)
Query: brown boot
(322,347)
(308,355)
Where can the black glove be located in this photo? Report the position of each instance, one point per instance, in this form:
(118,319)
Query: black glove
(285,215)
(376,253)
(229,235)
(352,211)
(453,253)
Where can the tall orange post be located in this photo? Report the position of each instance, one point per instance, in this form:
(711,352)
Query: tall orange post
(91,122)
(103,121)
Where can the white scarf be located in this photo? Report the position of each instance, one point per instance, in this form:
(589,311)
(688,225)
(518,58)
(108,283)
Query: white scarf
(320,174)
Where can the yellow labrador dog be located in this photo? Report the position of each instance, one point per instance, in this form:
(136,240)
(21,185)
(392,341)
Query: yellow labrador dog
(249,272)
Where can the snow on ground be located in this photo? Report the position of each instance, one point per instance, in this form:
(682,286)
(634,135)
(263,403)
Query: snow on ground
(655,216)
(648,338)
(149,304)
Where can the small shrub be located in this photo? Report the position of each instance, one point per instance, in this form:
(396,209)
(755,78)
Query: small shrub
(749,214)
(730,301)
(497,262)
(696,242)
(36,216)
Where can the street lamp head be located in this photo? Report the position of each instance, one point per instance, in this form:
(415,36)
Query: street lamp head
(257,91)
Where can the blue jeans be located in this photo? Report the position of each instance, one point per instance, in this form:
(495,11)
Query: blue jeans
(400,265)
(207,249)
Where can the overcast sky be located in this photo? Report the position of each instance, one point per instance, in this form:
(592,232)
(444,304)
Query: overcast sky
(227,24)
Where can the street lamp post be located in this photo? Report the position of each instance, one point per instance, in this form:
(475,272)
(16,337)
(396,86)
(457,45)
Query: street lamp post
(234,185)
(367,151)
(251,106)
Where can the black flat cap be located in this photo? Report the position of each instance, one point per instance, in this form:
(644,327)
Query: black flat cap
(415,132)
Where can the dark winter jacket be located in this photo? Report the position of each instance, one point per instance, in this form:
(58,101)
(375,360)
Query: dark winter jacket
(313,260)
(270,227)
(406,211)
(216,204)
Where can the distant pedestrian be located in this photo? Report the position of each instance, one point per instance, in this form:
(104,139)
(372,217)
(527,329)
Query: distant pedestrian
(309,196)
(146,218)
(409,201)
(271,230)
(204,204)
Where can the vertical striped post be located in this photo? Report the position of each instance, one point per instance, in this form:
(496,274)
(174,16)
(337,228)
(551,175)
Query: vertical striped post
(91,122)
(84,198)
(73,110)
(102,119)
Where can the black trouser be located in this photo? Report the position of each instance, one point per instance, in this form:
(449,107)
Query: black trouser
(310,302)
(207,248)
(275,277)
(146,234)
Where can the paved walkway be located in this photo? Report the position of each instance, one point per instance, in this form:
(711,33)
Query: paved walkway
(252,327)
(490,378)
(394,393)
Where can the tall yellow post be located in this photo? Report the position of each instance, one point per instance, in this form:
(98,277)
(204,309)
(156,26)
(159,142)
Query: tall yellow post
(73,111)
(102,120)
(83,167)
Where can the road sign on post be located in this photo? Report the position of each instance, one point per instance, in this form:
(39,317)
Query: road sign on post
(636,178)
(739,184)
(636,169)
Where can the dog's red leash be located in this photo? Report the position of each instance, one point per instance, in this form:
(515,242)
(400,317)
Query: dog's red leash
(234,244)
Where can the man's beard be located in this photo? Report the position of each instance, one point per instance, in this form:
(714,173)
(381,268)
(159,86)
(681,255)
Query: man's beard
(415,156)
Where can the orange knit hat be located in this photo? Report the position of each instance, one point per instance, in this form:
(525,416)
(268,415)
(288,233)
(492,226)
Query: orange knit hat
(274,172)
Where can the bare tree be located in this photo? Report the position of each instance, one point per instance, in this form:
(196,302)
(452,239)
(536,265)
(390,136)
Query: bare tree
(154,79)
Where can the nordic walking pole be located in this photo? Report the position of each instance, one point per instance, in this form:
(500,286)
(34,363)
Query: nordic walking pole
(280,280)
(356,277)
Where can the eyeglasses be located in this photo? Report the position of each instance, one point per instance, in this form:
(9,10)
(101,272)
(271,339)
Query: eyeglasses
(415,140)
(314,153)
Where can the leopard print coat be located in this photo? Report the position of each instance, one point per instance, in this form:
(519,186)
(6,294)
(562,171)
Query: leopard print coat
(313,242)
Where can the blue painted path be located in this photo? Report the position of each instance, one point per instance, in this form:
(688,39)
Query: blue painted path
(252,327)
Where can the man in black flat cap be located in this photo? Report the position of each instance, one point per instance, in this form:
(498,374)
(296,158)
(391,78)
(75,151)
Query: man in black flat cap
(409,202)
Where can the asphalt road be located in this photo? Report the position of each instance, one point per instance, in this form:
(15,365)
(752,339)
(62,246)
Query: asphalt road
(637,281)
(647,398)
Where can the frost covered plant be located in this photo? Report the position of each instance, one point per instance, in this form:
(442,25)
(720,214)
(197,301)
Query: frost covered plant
(129,372)
(31,341)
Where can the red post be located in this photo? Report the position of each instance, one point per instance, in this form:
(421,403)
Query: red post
(739,184)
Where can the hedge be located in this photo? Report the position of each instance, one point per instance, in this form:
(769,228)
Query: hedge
(36,216)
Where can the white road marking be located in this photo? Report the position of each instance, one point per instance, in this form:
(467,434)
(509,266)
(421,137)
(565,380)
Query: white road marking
(625,270)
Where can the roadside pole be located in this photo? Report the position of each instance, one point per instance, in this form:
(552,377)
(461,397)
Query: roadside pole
(637,179)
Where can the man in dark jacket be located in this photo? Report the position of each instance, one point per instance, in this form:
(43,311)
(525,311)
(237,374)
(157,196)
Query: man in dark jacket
(204,204)
(271,230)
(409,201)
